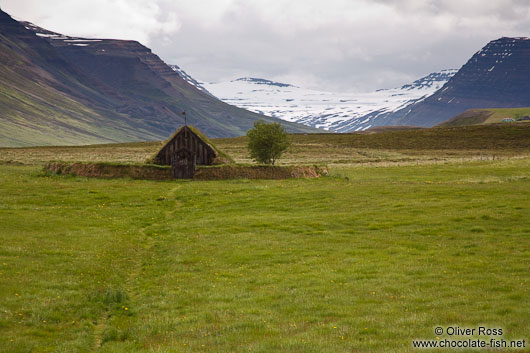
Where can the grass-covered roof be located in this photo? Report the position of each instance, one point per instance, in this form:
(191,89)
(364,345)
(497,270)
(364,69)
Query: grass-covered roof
(220,156)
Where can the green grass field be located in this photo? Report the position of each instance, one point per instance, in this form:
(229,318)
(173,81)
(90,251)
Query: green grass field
(365,260)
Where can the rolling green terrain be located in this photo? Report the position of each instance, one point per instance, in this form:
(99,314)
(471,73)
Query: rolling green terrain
(487,116)
(367,259)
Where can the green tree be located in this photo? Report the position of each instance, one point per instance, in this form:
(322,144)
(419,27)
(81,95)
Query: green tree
(267,142)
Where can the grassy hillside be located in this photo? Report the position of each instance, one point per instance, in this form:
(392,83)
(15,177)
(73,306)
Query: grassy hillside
(35,114)
(364,263)
(487,116)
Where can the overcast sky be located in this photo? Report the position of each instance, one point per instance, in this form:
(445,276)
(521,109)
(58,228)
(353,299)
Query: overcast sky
(339,45)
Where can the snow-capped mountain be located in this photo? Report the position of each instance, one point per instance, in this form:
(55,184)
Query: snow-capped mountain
(341,112)
(497,76)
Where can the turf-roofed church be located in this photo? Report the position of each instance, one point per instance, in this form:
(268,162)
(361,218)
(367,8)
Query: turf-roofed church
(186,149)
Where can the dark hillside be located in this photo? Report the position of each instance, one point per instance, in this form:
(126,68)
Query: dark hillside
(62,90)
(37,97)
(149,90)
(497,76)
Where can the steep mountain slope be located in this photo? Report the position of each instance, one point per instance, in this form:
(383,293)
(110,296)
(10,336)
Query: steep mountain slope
(35,107)
(56,89)
(497,76)
(340,112)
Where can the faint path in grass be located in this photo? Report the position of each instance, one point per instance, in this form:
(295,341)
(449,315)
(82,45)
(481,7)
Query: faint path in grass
(171,193)
(143,251)
(145,244)
(99,329)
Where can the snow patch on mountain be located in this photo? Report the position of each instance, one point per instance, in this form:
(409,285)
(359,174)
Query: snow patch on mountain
(198,84)
(341,112)
(67,40)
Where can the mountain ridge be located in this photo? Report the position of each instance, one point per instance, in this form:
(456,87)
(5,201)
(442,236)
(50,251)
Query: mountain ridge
(57,90)
(496,76)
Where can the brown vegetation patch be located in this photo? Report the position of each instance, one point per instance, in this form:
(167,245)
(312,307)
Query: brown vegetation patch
(258,172)
(110,170)
(376,129)
(156,172)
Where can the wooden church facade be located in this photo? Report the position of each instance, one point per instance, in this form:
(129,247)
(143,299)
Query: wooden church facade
(184,151)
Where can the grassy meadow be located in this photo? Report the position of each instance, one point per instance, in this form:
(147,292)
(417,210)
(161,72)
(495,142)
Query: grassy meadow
(405,147)
(365,260)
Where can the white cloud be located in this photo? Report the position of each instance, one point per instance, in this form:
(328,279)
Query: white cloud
(119,19)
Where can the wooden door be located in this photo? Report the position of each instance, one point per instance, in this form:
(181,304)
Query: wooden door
(183,164)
